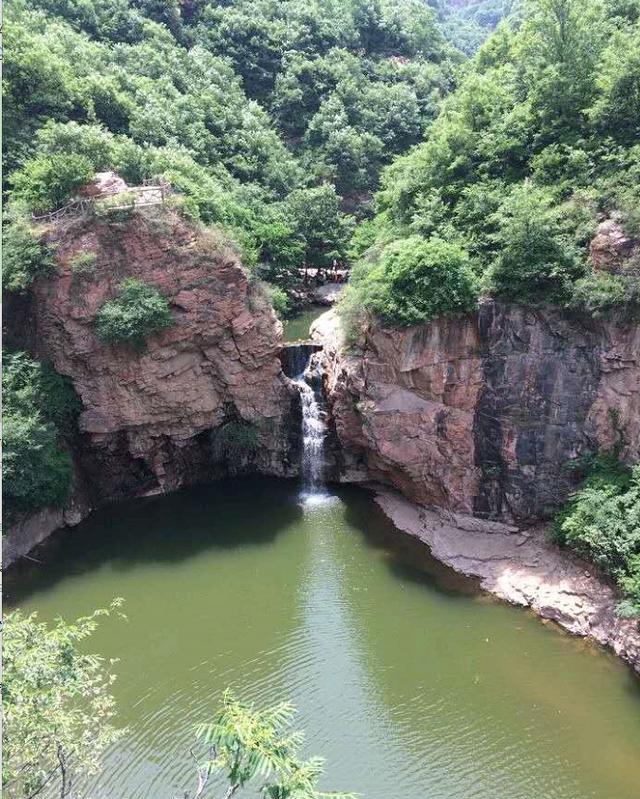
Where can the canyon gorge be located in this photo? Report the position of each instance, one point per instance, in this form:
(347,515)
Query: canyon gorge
(321,396)
(479,417)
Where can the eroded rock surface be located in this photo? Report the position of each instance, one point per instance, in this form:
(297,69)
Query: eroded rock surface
(148,415)
(481,414)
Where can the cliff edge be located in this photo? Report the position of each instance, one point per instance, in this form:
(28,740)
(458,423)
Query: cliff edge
(151,417)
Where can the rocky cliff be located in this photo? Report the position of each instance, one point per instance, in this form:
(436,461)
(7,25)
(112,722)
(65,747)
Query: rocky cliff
(150,417)
(484,414)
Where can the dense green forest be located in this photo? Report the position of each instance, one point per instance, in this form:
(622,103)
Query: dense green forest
(263,114)
(538,142)
(467,23)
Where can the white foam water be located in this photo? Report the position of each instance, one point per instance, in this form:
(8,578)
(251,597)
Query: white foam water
(314,431)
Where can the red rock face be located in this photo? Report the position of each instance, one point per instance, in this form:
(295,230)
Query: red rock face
(482,414)
(408,406)
(146,414)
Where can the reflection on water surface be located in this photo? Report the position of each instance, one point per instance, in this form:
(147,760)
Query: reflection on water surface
(411,684)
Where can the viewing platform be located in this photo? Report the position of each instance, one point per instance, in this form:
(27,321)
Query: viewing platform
(109,192)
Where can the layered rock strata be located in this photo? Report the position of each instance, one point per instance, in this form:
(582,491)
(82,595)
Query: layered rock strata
(150,415)
(485,414)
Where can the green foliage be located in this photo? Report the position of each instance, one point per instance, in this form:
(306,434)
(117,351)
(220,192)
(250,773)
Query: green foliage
(47,182)
(39,406)
(36,471)
(535,258)
(617,104)
(320,223)
(603,295)
(247,745)
(281,247)
(57,704)
(533,145)
(279,300)
(364,238)
(138,311)
(235,440)
(602,523)
(24,256)
(153,88)
(414,280)
(468,24)
(84,262)
(627,199)
(272,119)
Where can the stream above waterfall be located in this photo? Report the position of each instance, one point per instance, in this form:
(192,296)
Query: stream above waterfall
(297,328)
(410,681)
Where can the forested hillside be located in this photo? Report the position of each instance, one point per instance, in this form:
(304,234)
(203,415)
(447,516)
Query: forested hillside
(538,144)
(264,114)
(271,120)
(467,23)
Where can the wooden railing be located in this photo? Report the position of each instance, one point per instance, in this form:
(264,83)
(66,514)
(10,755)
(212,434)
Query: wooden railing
(73,208)
(135,197)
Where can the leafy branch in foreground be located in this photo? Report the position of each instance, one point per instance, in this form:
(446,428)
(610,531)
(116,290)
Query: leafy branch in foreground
(245,745)
(57,704)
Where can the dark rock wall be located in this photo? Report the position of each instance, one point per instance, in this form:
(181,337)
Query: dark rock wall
(541,375)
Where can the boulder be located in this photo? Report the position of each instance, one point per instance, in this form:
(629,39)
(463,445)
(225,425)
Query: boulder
(611,248)
(104,184)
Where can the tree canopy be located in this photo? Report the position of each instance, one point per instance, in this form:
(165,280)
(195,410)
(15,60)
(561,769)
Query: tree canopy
(536,145)
(58,710)
(242,105)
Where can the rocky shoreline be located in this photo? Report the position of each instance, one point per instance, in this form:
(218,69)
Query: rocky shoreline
(520,566)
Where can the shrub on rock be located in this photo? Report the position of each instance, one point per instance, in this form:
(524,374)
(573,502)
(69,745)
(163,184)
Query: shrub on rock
(414,280)
(130,318)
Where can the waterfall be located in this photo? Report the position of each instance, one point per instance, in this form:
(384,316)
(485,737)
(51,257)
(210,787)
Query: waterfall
(314,431)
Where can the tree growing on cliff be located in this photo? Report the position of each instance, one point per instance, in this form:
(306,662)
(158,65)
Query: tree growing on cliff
(57,705)
(134,314)
(536,260)
(24,256)
(602,523)
(413,280)
(47,182)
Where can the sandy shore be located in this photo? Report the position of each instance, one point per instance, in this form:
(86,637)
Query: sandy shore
(521,567)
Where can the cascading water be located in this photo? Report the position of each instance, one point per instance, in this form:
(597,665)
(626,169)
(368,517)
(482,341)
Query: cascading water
(314,431)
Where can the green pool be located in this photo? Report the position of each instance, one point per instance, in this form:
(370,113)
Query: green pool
(409,681)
